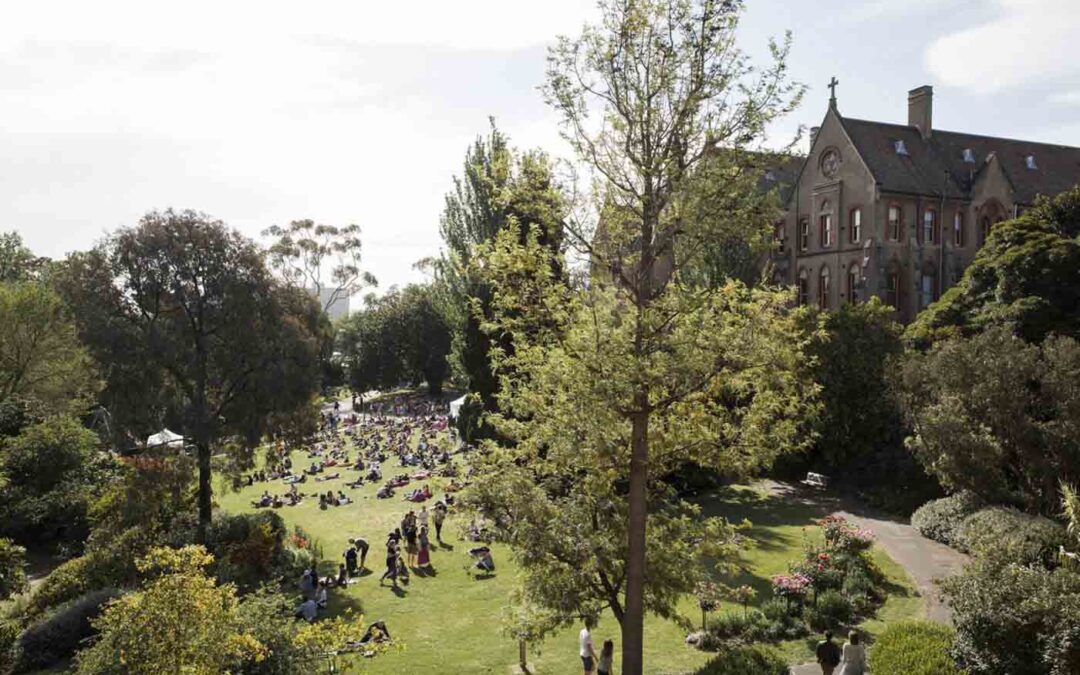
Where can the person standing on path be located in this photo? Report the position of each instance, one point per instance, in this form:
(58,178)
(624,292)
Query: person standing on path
(585,647)
(854,656)
(828,654)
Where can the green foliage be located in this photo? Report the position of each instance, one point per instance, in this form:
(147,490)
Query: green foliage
(1021,537)
(849,356)
(860,429)
(997,416)
(52,470)
(12,569)
(196,332)
(322,259)
(1025,278)
(831,609)
(745,660)
(1013,619)
(249,549)
(60,633)
(41,360)
(400,337)
(940,519)
(738,625)
(181,621)
(498,188)
(9,633)
(100,567)
(17,263)
(913,648)
(730,365)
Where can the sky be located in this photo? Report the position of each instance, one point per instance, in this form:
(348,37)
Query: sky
(259,113)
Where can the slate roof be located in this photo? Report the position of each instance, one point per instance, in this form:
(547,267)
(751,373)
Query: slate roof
(923,170)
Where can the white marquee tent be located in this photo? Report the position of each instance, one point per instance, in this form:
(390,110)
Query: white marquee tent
(165,438)
(455,406)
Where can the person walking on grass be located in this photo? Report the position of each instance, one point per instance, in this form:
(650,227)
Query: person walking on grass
(438,517)
(585,646)
(828,654)
(391,563)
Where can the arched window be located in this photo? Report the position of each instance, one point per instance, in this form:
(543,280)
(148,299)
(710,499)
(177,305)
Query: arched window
(825,224)
(802,287)
(855,226)
(984,229)
(958,229)
(853,283)
(892,288)
(823,288)
(896,222)
(929,227)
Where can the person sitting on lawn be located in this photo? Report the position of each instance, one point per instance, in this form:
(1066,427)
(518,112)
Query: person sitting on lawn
(264,500)
(307,611)
(342,498)
(385,492)
(321,596)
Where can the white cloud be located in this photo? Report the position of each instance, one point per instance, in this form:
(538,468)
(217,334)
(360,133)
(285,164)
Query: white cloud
(261,112)
(1065,98)
(1028,42)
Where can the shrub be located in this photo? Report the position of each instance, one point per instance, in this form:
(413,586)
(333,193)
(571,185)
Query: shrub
(9,632)
(737,626)
(775,610)
(249,548)
(940,519)
(831,609)
(913,648)
(99,568)
(60,634)
(1023,538)
(745,660)
(859,588)
(1014,619)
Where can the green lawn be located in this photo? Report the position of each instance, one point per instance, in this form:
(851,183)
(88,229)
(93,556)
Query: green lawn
(451,622)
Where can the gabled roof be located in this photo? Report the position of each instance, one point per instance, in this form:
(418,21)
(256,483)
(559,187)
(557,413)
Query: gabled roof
(934,164)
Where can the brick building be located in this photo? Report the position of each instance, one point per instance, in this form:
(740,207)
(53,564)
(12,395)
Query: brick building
(898,211)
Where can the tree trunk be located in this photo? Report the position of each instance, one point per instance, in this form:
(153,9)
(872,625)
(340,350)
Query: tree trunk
(205,491)
(633,624)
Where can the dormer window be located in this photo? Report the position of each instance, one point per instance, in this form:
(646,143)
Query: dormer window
(901,149)
(969,156)
(1029,162)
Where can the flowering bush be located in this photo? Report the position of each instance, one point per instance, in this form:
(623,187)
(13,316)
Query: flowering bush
(820,567)
(791,586)
(843,536)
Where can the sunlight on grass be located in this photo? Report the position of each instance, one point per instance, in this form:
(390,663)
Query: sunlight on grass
(451,622)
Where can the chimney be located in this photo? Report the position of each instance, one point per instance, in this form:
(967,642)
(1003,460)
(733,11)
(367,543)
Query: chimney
(813,135)
(920,109)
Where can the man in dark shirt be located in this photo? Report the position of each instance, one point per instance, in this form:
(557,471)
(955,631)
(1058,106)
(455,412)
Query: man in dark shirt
(828,654)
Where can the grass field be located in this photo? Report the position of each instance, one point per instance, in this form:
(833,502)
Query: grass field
(450,622)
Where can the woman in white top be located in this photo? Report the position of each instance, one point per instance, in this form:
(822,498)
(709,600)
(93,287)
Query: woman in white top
(854,662)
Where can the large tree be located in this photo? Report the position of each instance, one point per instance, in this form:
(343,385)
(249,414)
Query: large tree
(194,331)
(997,416)
(43,367)
(401,336)
(498,187)
(645,97)
(324,259)
(1026,277)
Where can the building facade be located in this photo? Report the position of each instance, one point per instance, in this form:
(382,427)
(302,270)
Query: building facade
(898,211)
